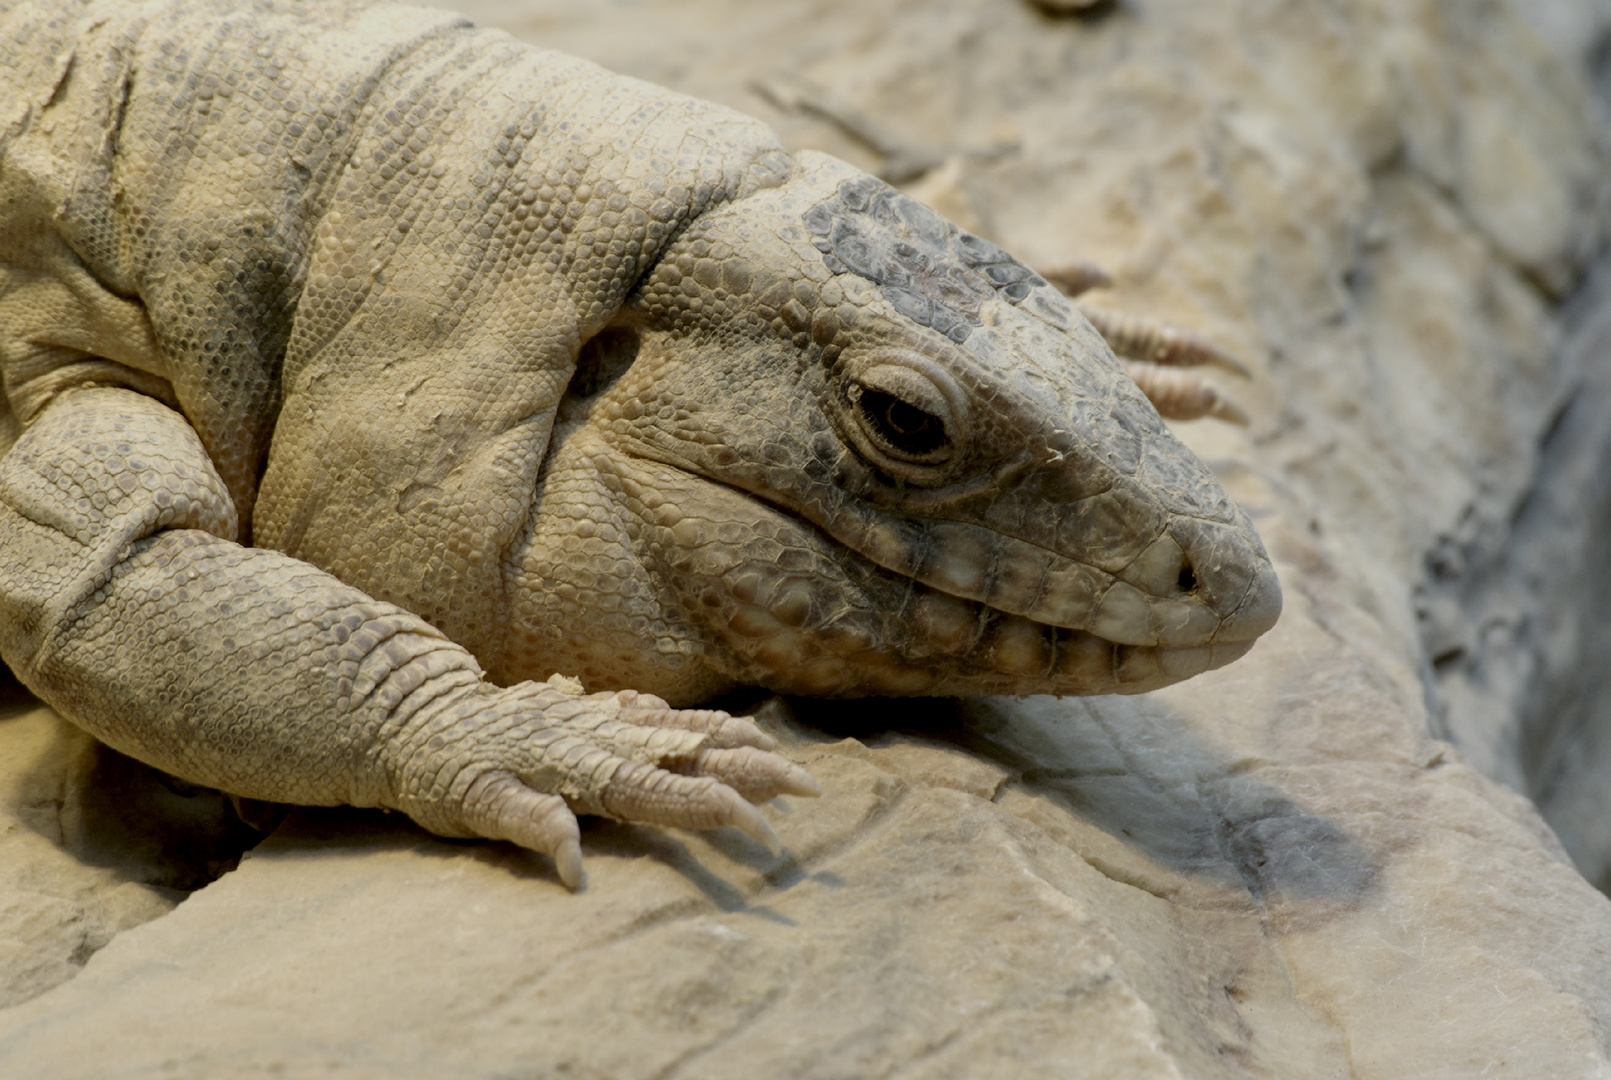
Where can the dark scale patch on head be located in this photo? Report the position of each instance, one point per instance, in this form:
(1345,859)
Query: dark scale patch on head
(910,304)
(931,271)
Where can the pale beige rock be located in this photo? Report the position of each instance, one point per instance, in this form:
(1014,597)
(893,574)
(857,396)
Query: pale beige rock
(1514,613)
(1273,870)
(92,843)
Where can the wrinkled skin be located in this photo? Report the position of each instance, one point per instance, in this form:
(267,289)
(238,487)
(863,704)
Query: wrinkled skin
(362,371)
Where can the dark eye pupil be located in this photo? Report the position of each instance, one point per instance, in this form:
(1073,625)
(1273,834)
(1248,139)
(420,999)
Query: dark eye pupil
(904,426)
(907,419)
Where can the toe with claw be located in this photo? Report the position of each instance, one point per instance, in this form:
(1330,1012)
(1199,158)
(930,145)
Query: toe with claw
(519,764)
(1156,354)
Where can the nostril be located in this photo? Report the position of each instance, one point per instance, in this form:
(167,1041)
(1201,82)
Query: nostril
(1187,579)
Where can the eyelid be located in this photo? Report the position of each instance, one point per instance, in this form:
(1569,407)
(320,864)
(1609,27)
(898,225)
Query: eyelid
(916,379)
(904,383)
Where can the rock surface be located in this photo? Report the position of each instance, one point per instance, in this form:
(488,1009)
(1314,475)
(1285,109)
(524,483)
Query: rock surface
(1275,870)
(1514,613)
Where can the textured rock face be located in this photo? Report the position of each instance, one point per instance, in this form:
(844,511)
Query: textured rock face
(93,844)
(1513,613)
(1273,870)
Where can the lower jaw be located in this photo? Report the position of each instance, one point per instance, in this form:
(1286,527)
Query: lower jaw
(905,639)
(1082,664)
(901,638)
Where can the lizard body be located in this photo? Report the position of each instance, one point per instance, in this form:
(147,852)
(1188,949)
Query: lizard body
(363,369)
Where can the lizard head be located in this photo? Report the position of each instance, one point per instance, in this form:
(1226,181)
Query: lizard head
(854,450)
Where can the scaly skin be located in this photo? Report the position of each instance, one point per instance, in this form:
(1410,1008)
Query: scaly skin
(364,370)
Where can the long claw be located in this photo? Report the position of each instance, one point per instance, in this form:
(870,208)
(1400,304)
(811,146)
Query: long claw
(500,806)
(724,730)
(643,793)
(749,735)
(755,774)
(1227,410)
(568,862)
(749,819)
(799,782)
(624,755)
(1157,342)
(1181,395)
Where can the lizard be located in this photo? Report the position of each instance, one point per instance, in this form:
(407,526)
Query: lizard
(365,371)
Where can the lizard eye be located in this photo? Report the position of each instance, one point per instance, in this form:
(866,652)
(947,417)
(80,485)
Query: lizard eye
(902,414)
(900,425)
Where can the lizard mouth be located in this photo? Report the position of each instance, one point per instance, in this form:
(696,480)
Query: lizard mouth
(926,642)
(1058,659)
(820,619)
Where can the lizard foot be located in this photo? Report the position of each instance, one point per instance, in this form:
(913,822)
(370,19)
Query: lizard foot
(524,761)
(1155,355)
(1182,395)
(1156,342)
(1154,352)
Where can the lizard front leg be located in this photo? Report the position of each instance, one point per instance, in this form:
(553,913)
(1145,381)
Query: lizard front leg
(121,604)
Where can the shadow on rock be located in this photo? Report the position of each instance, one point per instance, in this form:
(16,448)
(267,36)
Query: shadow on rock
(315,832)
(1143,777)
(110,811)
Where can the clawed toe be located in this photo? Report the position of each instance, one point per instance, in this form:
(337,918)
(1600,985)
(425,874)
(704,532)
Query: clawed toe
(568,863)
(748,819)
(1157,355)
(1149,347)
(755,774)
(497,805)
(1158,342)
(1181,395)
(623,755)
(655,796)
(722,729)
(801,783)
(1077,277)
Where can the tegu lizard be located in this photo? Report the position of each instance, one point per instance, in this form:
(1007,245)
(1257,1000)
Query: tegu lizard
(363,370)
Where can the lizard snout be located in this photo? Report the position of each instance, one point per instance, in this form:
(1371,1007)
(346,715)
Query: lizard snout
(1224,568)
